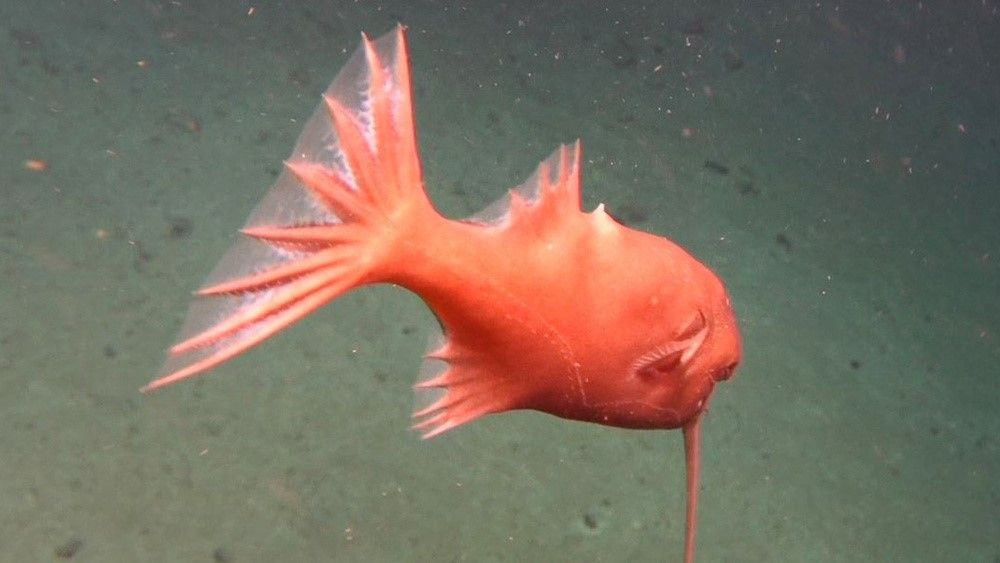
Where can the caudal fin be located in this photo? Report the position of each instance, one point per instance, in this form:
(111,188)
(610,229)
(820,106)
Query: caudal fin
(328,223)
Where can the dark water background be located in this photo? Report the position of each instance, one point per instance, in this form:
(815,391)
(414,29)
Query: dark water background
(836,163)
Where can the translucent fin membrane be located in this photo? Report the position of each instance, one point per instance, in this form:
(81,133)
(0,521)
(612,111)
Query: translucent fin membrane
(312,237)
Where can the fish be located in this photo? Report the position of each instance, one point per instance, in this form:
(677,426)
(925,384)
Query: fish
(539,305)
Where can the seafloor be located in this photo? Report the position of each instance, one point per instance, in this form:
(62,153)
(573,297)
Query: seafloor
(836,163)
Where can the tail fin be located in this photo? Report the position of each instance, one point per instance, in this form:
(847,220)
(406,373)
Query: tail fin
(328,221)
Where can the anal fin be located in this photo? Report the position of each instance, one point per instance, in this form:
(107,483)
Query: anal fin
(454,389)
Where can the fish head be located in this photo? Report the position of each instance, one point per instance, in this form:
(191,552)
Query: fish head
(665,337)
(696,345)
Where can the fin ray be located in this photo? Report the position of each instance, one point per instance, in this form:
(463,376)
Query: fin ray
(275,276)
(454,389)
(552,191)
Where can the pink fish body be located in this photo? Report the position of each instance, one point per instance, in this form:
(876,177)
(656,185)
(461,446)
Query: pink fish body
(541,305)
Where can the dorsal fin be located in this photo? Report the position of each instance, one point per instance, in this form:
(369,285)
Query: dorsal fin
(551,192)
